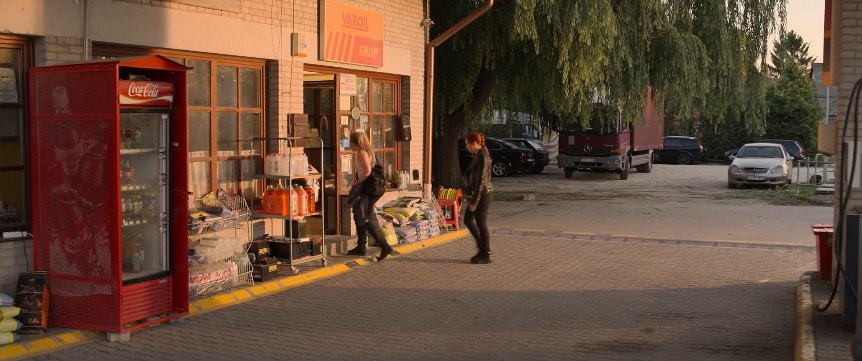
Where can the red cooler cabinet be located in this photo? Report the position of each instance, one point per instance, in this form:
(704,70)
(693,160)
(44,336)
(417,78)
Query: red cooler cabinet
(108,143)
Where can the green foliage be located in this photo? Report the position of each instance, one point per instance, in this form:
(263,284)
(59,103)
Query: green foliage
(552,57)
(793,109)
(790,48)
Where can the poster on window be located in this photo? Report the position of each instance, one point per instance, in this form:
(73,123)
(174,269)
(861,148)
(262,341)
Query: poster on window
(8,86)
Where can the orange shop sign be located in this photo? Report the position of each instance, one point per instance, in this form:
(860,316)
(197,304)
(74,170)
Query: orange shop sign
(350,35)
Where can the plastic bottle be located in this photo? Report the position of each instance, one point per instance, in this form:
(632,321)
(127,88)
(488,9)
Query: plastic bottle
(310,199)
(293,203)
(267,200)
(280,201)
(283,164)
(138,256)
(267,164)
(303,168)
(301,203)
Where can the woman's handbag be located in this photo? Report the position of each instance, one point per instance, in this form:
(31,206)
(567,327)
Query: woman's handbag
(375,184)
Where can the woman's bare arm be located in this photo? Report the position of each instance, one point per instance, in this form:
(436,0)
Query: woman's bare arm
(363,167)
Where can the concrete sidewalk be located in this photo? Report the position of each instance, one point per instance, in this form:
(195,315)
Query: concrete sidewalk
(545,297)
(61,338)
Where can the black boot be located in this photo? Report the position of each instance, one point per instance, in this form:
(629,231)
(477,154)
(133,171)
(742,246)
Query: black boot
(361,242)
(481,258)
(385,252)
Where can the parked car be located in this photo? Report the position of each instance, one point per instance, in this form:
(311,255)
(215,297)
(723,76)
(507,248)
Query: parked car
(540,154)
(682,150)
(760,163)
(730,154)
(506,157)
(791,146)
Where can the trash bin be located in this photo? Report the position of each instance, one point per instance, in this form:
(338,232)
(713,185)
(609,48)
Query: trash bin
(823,235)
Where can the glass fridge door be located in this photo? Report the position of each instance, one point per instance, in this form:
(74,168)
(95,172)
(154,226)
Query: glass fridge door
(143,185)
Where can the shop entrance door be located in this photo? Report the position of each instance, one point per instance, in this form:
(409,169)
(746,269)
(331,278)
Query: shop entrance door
(319,105)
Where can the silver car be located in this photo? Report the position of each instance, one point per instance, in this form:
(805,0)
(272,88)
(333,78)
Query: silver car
(760,163)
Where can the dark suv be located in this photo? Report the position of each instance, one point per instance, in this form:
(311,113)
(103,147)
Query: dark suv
(682,150)
(506,157)
(540,154)
(791,146)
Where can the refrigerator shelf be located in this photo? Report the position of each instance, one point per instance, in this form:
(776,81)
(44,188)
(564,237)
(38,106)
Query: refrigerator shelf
(134,187)
(137,151)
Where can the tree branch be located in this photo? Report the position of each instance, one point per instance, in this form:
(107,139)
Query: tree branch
(482,89)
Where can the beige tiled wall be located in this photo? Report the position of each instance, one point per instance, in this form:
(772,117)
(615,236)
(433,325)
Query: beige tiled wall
(847,51)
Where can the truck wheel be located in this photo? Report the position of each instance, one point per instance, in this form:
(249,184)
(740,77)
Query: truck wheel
(684,158)
(499,169)
(646,168)
(624,172)
(568,172)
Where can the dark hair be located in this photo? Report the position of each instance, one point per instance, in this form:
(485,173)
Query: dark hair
(476,137)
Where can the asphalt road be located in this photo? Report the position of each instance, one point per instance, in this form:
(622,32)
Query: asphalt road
(672,202)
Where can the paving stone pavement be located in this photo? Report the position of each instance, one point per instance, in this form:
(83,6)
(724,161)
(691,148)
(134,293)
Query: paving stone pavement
(543,298)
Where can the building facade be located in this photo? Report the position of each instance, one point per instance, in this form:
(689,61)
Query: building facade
(255,65)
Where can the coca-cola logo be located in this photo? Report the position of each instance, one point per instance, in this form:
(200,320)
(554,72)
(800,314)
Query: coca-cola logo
(148,90)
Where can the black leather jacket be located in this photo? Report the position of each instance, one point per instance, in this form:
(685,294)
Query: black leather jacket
(477,176)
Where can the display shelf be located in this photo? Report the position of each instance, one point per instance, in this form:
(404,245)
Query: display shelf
(283,177)
(197,290)
(285,143)
(235,213)
(137,151)
(226,265)
(259,215)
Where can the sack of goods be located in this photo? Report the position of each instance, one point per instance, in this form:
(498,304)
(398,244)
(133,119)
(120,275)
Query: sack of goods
(8,323)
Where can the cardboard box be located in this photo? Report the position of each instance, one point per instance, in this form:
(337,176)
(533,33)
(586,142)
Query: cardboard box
(283,250)
(259,248)
(262,272)
(298,229)
(32,298)
(316,246)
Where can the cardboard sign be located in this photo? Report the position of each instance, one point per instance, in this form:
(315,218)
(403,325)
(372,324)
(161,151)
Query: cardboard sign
(32,299)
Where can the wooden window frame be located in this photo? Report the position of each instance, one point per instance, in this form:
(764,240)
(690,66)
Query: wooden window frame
(372,78)
(25,47)
(215,60)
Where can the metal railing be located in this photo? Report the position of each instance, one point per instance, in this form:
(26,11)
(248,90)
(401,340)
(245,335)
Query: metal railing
(818,173)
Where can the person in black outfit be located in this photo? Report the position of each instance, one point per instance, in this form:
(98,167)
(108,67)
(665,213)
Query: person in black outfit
(477,183)
(364,214)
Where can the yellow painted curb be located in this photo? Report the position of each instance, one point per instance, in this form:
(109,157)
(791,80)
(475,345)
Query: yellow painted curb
(47,344)
(26,349)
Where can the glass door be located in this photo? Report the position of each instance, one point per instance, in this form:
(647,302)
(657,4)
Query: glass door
(143,185)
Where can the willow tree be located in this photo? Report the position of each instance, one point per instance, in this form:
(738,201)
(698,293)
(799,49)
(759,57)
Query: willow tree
(553,57)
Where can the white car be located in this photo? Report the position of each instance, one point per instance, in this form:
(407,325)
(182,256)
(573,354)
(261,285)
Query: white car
(760,163)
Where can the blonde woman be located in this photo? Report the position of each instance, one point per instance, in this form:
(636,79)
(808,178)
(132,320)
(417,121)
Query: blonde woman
(364,215)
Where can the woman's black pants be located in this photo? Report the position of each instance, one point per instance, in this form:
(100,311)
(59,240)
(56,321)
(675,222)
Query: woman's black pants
(477,222)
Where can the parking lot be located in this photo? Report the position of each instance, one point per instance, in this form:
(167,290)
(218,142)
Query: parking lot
(673,201)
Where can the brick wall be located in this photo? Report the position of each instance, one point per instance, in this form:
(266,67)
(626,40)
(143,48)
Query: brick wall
(402,31)
(12,262)
(53,50)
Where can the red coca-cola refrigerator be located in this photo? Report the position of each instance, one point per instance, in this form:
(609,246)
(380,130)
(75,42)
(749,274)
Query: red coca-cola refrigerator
(108,144)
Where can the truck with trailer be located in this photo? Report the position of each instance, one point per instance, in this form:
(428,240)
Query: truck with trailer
(609,144)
